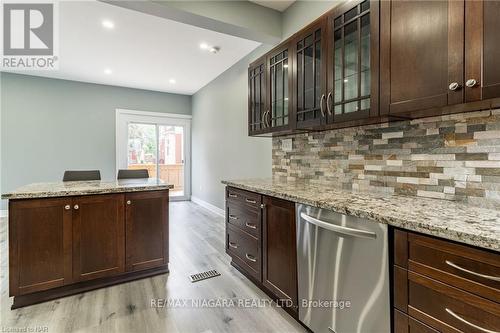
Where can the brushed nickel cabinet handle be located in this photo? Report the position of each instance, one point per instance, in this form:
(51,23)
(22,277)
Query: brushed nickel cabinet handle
(250,225)
(454,86)
(250,257)
(489,277)
(129,202)
(250,201)
(233,245)
(453,314)
(471,83)
(233,195)
(67,207)
(321,108)
(76,207)
(328,107)
(232,217)
(268,123)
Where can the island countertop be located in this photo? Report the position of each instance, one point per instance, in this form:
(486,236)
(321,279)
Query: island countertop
(441,218)
(75,188)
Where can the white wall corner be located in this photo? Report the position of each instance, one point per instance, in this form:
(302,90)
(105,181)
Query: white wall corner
(209,206)
(4,212)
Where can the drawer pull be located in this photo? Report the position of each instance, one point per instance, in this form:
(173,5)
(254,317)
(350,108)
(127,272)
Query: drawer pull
(489,277)
(250,257)
(233,195)
(233,245)
(232,217)
(469,323)
(250,225)
(250,201)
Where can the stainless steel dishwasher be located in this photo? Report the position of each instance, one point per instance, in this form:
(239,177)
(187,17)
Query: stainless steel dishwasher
(343,272)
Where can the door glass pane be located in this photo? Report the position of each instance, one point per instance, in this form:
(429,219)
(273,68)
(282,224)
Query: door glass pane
(300,82)
(317,68)
(338,65)
(279,94)
(351,61)
(273,94)
(308,78)
(365,55)
(141,147)
(285,91)
(171,157)
(351,107)
(257,101)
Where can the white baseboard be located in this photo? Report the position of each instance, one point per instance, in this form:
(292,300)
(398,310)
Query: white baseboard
(4,212)
(209,206)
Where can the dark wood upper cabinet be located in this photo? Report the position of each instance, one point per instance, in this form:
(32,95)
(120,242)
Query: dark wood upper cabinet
(40,245)
(98,236)
(257,107)
(482,50)
(309,75)
(353,61)
(421,55)
(146,230)
(279,250)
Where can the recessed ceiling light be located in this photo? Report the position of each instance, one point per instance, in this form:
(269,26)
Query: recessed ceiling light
(203,46)
(108,24)
(108,71)
(214,49)
(172,81)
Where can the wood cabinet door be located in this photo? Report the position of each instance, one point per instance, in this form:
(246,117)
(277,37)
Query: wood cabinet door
(421,54)
(279,89)
(39,244)
(98,236)
(257,107)
(279,249)
(146,230)
(353,61)
(309,75)
(482,50)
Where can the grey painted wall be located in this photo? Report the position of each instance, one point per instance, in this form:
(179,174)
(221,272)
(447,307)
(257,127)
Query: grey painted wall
(221,146)
(48,125)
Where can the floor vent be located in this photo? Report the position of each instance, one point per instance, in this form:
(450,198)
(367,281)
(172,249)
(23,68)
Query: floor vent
(204,275)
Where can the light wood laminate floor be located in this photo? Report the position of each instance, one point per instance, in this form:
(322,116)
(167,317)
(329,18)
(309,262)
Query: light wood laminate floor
(196,244)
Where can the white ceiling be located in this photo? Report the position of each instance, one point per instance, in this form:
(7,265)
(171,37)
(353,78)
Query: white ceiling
(280,5)
(142,51)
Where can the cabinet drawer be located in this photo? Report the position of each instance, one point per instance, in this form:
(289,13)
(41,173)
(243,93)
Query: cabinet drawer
(444,307)
(405,324)
(245,219)
(244,250)
(473,270)
(249,199)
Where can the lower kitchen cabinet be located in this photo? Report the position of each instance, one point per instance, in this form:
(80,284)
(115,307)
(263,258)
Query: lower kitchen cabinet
(98,236)
(67,245)
(442,286)
(40,233)
(261,241)
(146,226)
(279,255)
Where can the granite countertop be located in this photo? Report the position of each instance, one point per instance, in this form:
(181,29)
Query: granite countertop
(447,219)
(61,189)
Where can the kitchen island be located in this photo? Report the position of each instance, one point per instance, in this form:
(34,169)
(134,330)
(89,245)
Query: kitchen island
(71,237)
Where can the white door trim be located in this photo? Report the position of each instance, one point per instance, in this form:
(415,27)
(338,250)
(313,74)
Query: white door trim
(123,117)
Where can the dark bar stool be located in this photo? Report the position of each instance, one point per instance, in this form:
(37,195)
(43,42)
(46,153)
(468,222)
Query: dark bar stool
(132,174)
(81,175)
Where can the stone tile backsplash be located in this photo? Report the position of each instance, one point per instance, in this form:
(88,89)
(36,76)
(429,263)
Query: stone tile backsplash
(454,157)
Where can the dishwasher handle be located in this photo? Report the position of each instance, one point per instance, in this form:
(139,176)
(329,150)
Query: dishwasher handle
(337,228)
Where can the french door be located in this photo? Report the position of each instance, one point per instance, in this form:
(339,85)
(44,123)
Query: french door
(156,142)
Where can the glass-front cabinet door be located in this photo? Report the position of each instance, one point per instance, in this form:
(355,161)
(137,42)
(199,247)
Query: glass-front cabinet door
(309,82)
(257,96)
(352,67)
(279,69)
